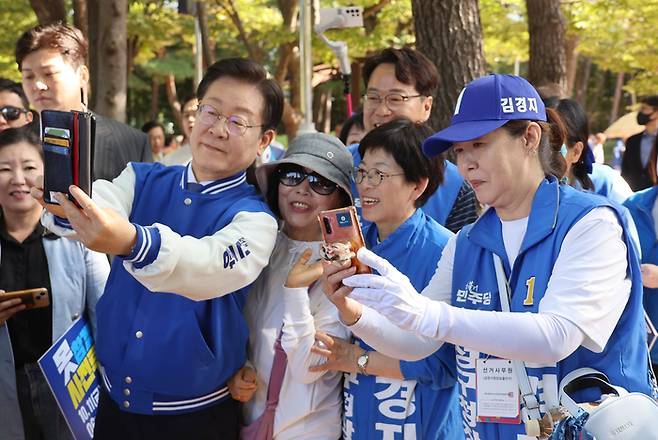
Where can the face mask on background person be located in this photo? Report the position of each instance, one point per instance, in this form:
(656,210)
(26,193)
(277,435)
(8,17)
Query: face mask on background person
(644,118)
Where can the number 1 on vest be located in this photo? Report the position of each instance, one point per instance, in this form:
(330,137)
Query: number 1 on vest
(529,298)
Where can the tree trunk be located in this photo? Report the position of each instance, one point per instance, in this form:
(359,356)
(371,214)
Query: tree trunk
(174,103)
(80,17)
(111,62)
(208,53)
(92,54)
(449,33)
(322,108)
(583,81)
(571,54)
(547,55)
(49,11)
(287,66)
(614,113)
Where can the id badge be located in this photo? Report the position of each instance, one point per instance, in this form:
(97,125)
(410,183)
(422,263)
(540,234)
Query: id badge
(497,392)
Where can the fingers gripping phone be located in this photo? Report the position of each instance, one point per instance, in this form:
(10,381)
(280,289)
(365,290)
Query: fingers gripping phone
(342,226)
(31,298)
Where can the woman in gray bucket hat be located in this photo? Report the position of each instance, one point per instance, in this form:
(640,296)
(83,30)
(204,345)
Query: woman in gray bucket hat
(313,175)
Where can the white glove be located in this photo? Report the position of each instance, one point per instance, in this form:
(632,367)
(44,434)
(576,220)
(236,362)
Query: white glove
(394,297)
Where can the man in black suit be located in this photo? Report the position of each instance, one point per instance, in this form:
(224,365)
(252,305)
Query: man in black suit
(52,62)
(636,161)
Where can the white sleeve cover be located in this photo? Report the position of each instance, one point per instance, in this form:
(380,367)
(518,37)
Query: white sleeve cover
(390,340)
(539,338)
(584,300)
(303,316)
(195,267)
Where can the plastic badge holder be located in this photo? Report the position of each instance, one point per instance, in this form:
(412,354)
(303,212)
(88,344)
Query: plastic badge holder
(68,147)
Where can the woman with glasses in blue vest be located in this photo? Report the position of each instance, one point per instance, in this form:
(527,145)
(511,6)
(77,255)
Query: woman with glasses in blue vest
(384,395)
(570,280)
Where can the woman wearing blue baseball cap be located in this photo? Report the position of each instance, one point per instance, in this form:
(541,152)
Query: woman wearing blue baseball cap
(543,283)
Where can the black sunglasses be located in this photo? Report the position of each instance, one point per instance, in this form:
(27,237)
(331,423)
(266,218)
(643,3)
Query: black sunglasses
(295,176)
(11,113)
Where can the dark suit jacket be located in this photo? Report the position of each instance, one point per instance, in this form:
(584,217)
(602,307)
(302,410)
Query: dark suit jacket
(632,170)
(116,145)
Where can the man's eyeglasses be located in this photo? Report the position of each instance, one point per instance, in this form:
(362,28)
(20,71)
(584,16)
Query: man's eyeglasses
(374,176)
(393,100)
(235,125)
(11,113)
(295,176)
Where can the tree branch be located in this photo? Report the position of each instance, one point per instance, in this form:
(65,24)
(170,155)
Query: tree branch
(229,7)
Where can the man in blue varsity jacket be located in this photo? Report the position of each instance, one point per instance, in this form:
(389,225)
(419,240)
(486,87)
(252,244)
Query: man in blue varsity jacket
(189,239)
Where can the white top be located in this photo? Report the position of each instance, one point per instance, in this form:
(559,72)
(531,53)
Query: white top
(584,300)
(513,233)
(309,403)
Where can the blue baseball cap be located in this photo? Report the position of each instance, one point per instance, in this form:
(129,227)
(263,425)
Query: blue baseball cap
(484,105)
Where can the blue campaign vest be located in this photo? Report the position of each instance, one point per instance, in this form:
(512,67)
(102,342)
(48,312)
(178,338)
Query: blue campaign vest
(437,206)
(425,406)
(603,177)
(189,348)
(640,206)
(555,210)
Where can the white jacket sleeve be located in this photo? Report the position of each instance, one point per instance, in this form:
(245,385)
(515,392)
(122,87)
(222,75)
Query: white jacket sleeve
(303,316)
(208,267)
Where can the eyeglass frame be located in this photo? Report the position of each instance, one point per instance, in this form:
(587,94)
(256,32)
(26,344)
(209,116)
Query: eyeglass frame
(358,171)
(12,107)
(225,119)
(283,170)
(386,99)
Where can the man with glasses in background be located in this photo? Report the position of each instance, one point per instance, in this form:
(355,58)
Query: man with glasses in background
(14,106)
(51,59)
(400,83)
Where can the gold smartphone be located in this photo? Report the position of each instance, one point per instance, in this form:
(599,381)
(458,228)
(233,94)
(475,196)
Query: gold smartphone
(342,226)
(31,298)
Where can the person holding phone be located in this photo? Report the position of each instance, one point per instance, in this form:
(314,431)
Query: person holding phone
(33,257)
(189,240)
(565,256)
(385,395)
(313,176)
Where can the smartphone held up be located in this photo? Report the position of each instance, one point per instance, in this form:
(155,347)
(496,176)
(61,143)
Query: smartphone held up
(342,236)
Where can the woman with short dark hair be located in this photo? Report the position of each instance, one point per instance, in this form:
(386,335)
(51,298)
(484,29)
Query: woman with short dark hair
(383,394)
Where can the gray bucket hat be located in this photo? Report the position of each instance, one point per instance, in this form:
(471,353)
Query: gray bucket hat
(320,152)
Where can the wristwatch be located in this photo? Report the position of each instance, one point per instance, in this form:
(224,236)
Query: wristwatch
(362,362)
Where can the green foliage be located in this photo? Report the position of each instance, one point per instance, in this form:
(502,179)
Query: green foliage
(505,33)
(16,16)
(616,34)
(619,35)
